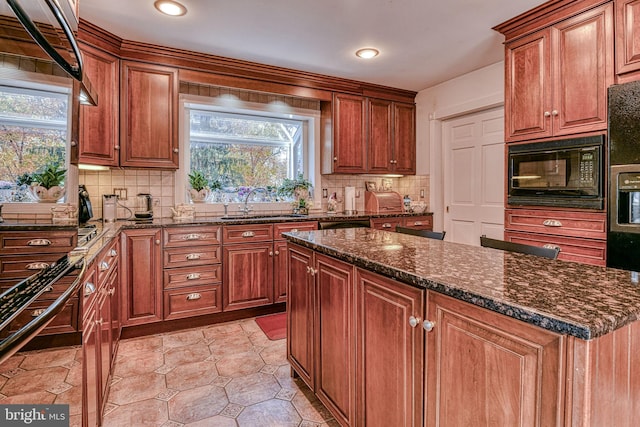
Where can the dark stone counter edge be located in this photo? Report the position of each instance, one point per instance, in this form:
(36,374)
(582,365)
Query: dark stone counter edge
(544,321)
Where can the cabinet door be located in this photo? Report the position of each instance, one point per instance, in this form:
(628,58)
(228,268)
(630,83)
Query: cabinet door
(484,368)
(103,311)
(91,395)
(528,90)
(335,338)
(248,275)
(141,265)
(627,36)
(99,141)
(404,138)
(380,159)
(349,134)
(114,304)
(390,351)
(149,108)
(300,304)
(583,70)
(280,268)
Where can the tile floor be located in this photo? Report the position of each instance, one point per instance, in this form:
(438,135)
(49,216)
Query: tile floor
(229,374)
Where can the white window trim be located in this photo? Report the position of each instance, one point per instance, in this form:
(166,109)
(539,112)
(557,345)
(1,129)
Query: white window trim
(310,119)
(38,81)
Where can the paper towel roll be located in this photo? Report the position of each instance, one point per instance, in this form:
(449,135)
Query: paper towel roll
(349,199)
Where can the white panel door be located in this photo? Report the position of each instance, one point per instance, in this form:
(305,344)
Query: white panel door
(473,148)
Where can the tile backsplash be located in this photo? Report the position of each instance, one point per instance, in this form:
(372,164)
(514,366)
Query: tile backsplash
(161,185)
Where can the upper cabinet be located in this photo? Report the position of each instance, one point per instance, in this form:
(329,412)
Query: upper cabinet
(148,116)
(557,77)
(98,142)
(371,136)
(627,36)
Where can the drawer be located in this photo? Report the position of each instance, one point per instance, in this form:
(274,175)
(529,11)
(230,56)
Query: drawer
(107,261)
(22,266)
(286,227)
(197,255)
(247,233)
(592,225)
(586,251)
(190,276)
(65,321)
(419,222)
(20,242)
(189,236)
(192,301)
(387,224)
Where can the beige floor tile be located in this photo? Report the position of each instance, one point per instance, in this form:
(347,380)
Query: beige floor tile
(180,339)
(146,413)
(137,388)
(240,364)
(49,358)
(143,362)
(197,403)
(252,389)
(33,381)
(272,413)
(192,375)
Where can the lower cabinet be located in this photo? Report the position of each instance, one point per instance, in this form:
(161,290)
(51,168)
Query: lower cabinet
(91,372)
(390,223)
(141,271)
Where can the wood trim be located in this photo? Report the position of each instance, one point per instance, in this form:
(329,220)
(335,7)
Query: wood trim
(546,14)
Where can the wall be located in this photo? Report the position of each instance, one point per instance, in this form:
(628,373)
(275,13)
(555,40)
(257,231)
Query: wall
(475,91)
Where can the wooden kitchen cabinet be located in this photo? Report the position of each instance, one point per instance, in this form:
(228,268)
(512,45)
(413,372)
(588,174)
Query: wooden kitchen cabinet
(148,116)
(390,223)
(627,37)
(280,259)
(349,134)
(98,143)
(484,368)
(391,137)
(141,276)
(557,78)
(390,351)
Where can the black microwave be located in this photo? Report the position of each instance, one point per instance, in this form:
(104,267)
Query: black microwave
(563,173)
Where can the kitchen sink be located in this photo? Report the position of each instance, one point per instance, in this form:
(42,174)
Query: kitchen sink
(261,216)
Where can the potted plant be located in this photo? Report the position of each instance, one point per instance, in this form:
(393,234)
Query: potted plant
(47,186)
(298,188)
(199,190)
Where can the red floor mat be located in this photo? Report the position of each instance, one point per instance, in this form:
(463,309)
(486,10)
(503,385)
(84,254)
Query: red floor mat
(273,325)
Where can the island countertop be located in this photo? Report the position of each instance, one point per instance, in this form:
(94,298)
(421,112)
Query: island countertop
(580,300)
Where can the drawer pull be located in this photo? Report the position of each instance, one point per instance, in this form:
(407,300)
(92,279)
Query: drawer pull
(551,223)
(48,289)
(248,234)
(417,223)
(113,253)
(37,266)
(386,225)
(192,257)
(39,242)
(111,292)
(193,276)
(550,246)
(38,312)
(192,237)
(193,297)
(294,230)
(104,266)
(89,288)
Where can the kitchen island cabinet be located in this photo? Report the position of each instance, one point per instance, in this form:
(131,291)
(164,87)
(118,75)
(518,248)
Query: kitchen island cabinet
(510,339)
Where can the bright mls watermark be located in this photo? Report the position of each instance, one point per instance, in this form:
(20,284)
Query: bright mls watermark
(34,415)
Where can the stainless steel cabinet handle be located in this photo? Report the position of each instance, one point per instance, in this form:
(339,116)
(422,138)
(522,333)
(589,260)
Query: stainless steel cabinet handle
(39,242)
(191,257)
(89,288)
(413,321)
(551,223)
(248,234)
(193,276)
(428,325)
(193,297)
(38,312)
(192,237)
(113,253)
(37,266)
(104,266)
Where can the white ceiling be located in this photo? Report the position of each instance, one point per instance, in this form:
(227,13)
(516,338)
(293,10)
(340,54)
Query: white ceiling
(422,42)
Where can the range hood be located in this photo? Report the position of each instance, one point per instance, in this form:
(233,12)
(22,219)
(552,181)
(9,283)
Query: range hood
(52,24)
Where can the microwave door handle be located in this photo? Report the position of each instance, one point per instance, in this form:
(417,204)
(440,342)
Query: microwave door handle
(40,39)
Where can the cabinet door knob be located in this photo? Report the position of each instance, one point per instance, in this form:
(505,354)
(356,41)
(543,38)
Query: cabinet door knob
(175,150)
(335,159)
(413,321)
(111,291)
(554,113)
(157,241)
(547,114)
(193,297)
(117,147)
(428,325)
(277,253)
(73,143)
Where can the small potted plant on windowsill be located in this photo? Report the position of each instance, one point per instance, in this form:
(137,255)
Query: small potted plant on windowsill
(199,190)
(47,185)
(298,188)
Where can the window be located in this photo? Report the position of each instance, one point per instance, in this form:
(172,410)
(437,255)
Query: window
(33,135)
(240,151)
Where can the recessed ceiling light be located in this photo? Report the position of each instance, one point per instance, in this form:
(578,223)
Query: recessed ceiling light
(367,53)
(170,7)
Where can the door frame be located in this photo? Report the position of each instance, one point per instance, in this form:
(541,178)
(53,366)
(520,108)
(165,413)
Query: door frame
(436,149)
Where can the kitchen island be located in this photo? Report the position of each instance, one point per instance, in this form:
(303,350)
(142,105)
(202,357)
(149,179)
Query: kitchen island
(392,329)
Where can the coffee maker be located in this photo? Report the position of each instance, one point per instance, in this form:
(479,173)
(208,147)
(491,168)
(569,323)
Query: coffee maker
(144,206)
(85,213)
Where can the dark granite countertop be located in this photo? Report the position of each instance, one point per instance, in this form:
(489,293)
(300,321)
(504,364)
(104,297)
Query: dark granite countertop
(569,298)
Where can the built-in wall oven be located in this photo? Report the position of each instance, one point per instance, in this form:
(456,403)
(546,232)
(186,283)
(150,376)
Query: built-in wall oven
(563,173)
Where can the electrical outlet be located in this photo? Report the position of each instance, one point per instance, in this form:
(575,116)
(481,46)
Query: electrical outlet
(121,193)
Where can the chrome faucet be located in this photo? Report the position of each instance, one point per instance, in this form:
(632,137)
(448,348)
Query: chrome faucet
(246,209)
